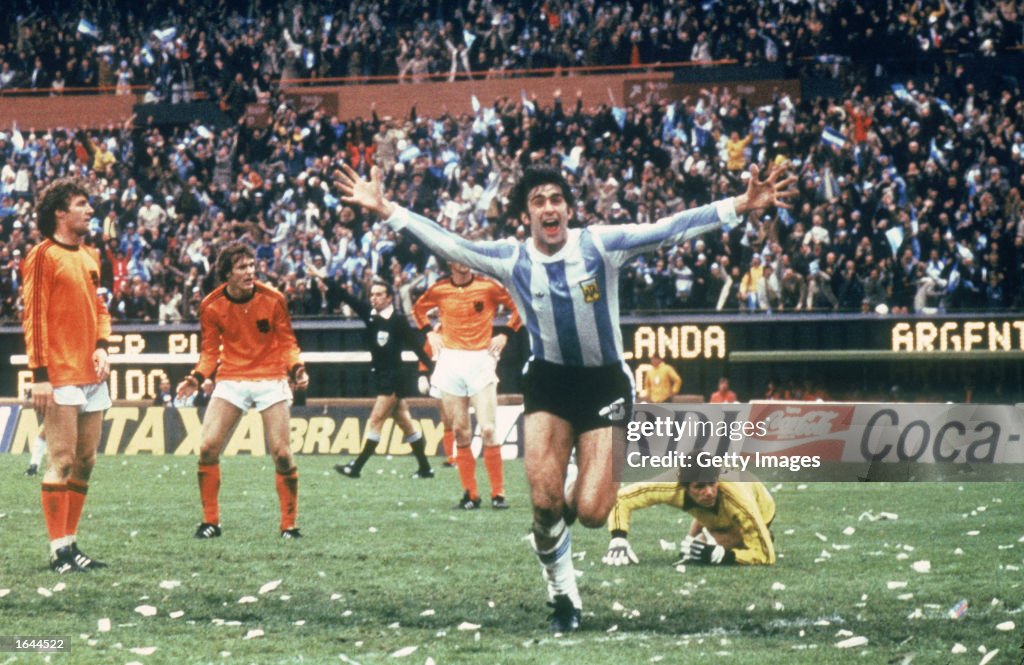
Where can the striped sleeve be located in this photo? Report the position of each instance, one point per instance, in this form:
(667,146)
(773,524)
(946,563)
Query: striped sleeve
(746,515)
(210,332)
(35,273)
(494,258)
(627,240)
(641,495)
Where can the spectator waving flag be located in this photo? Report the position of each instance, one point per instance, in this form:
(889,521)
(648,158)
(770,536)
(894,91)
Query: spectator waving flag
(833,138)
(166,35)
(468,37)
(530,107)
(620,116)
(86,27)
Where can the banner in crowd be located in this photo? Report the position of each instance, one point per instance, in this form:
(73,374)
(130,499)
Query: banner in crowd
(331,430)
(815,441)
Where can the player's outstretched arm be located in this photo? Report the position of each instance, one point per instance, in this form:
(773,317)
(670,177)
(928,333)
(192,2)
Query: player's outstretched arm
(770,192)
(367,194)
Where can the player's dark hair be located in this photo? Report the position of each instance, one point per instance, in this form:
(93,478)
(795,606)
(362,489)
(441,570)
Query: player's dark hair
(57,196)
(535,176)
(229,256)
(697,474)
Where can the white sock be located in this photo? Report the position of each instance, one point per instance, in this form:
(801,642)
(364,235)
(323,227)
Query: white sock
(38,450)
(556,565)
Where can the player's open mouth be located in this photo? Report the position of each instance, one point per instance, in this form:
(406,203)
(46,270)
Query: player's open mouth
(551,225)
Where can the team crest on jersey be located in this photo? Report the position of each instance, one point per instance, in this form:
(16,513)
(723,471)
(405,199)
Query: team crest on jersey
(478,306)
(591,290)
(382,337)
(263,325)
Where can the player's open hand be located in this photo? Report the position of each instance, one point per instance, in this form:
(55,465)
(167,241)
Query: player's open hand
(497,345)
(620,553)
(357,190)
(770,192)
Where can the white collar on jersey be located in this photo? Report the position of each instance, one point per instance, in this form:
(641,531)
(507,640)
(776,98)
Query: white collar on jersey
(386,312)
(572,240)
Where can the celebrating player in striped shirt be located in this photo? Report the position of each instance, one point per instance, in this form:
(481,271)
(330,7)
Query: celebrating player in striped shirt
(66,330)
(246,328)
(467,357)
(577,386)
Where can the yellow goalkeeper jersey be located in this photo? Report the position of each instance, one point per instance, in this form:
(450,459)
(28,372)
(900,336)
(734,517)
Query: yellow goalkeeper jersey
(745,509)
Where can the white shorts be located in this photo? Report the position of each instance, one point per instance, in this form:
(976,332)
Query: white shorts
(464,373)
(88,398)
(259,394)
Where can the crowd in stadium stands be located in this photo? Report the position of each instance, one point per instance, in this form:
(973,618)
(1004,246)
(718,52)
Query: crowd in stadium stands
(909,201)
(233,50)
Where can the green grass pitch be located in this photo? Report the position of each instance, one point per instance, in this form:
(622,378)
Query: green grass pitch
(388,573)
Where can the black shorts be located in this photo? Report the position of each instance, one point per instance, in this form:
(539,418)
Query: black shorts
(587,397)
(390,383)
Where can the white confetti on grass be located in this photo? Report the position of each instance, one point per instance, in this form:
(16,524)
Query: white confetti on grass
(269,586)
(849,531)
(103,625)
(922,566)
(958,648)
(1006,626)
(143,651)
(852,642)
(59,586)
(300,622)
(987,658)
(170,584)
(896,585)
(176,614)
(667,545)
(45,593)
(254,633)
(245,600)
(427,613)
(820,536)
(4,592)
(973,532)
(404,651)
(778,586)
(146,610)
(465,625)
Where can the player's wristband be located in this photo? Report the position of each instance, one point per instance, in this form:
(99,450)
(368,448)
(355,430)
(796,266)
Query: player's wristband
(40,375)
(619,533)
(197,377)
(103,344)
(503,330)
(294,371)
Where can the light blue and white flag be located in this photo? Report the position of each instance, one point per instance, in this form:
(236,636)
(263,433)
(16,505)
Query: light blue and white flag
(86,27)
(166,35)
(833,138)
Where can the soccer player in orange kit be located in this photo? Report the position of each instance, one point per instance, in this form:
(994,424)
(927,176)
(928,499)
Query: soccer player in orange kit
(66,328)
(246,327)
(467,357)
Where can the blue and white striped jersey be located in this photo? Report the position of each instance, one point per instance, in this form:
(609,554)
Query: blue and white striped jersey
(569,301)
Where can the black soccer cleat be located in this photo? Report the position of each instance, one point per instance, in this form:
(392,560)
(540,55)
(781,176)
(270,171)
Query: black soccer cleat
(31,470)
(422,474)
(207,530)
(289,534)
(63,561)
(448,465)
(565,617)
(83,561)
(466,503)
(499,503)
(347,470)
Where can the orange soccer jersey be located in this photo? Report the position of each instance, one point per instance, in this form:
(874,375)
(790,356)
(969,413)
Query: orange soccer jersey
(467,312)
(252,339)
(64,319)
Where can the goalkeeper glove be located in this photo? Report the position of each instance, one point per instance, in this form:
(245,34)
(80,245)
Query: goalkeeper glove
(684,550)
(619,553)
(711,554)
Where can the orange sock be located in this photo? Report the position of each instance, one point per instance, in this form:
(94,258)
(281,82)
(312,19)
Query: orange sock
(55,508)
(495,470)
(467,470)
(77,490)
(449,445)
(288,495)
(209,491)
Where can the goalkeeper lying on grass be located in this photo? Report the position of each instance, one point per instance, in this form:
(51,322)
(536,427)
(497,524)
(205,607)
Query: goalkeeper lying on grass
(730,519)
